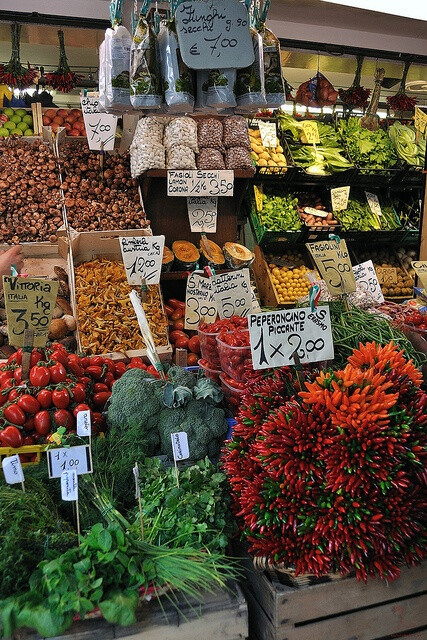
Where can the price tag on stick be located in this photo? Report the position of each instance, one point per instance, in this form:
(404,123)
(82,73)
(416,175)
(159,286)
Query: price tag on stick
(69,486)
(199,303)
(202,213)
(277,335)
(12,469)
(68,459)
(100,127)
(233,293)
(142,257)
(268,131)
(29,305)
(374,203)
(339,198)
(84,427)
(180,450)
(311,131)
(420,268)
(200,183)
(333,261)
(366,276)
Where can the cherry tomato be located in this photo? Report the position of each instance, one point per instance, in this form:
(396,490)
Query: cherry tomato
(11,437)
(94,371)
(61,398)
(98,422)
(17,374)
(60,356)
(40,376)
(81,407)
(28,403)
(192,359)
(168,310)
(151,369)
(15,357)
(78,393)
(120,369)
(44,397)
(179,325)
(14,414)
(109,378)
(13,394)
(97,361)
(100,386)
(57,346)
(36,357)
(29,424)
(85,362)
(101,398)
(181,343)
(3,398)
(58,373)
(178,314)
(194,344)
(64,418)
(5,375)
(42,422)
(28,440)
(176,304)
(111,367)
(174,335)
(85,381)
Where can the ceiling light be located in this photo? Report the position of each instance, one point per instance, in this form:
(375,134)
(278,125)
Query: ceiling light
(416,9)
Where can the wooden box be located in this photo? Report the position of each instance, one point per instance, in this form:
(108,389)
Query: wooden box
(264,282)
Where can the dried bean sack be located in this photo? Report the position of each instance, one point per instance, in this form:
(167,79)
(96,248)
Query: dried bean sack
(210,159)
(210,133)
(145,151)
(177,78)
(250,90)
(118,43)
(145,86)
(180,157)
(238,158)
(236,132)
(181,131)
(273,78)
(150,129)
(221,88)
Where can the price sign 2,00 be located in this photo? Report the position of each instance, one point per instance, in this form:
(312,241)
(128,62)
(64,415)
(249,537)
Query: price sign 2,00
(333,261)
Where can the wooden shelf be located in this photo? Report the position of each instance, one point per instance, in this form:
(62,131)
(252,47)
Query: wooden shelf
(183,275)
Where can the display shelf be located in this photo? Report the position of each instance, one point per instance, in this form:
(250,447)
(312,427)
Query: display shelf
(183,275)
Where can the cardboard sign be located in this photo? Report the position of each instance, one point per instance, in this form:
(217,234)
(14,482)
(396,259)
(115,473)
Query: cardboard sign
(268,131)
(258,192)
(12,469)
(333,262)
(374,203)
(387,276)
(200,183)
(142,258)
(233,293)
(100,127)
(311,131)
(214,34)
(199,303)
(275,337)
(420,120)
(366,276)
(69,486)
(339,198)
(84,424)
(203,213)
(420,268)
(68,459)
(29,305)
(180,446)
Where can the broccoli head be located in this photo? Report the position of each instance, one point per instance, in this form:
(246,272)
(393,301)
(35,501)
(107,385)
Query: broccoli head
(181,378)
(200,433)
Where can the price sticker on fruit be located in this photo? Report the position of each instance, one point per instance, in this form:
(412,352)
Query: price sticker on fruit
(199,303)
(203,213)
(29,305)
(142,257)
(333,262)
(277,335)
(233,293)
(100,127)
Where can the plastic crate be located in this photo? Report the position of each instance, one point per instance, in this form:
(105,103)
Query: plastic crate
(38,449)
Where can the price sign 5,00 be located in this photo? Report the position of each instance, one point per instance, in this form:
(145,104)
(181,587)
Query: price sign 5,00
(199,305)
(333,261)
(233,293)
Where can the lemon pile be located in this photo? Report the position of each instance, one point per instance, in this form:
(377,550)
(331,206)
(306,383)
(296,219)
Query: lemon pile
(266,156)
(291,284)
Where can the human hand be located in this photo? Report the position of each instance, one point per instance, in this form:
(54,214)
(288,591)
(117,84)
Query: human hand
(7,258)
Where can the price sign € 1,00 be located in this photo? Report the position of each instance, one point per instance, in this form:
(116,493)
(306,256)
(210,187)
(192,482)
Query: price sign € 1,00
(142,257)
(333,261)
(29,306)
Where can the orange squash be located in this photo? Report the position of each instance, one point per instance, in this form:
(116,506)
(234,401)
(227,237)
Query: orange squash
(186,255)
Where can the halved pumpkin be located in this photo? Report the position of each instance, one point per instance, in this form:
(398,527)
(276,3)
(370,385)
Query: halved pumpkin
(237,256)
(186,254)
(167,260)
(212,254)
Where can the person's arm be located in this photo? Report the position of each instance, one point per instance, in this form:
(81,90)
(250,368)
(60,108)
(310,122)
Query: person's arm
(7,258)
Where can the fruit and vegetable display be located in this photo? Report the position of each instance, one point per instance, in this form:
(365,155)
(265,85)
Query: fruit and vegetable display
(70,119)
(410,146)
(30,198)
(106,320)
(279,212)
(400,282)
(16,122)
(352,442)
(367,149)
(358,216)
(266,156)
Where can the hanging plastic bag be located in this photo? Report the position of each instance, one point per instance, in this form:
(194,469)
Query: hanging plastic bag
(316,92)
(221,88)
(250,89)
(118,44)
(101,78)
(145,86)
(273,78)
(177,78)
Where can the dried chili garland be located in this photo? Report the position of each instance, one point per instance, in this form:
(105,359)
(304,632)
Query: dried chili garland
(401,102)
(14,74)
(63,79)
(356,97)
(335,479)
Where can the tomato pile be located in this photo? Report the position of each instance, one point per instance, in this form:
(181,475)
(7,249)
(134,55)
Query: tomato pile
(235,353)
(208,334)
(180,339)
(233,390)
(60,385)
(417,321)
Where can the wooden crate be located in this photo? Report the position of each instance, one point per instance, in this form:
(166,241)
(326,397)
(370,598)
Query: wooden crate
(264,282)
(223,615)
(336,610)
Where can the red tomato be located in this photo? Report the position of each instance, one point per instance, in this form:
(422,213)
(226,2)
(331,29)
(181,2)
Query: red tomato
(179,325)
(417,318)
(60,356)
(120,369)
(192,359)
(3,398)
(28,403)
(42,422)
(61,398)
(97,361)
(5,376)
(44,397)
(28,440)
(153,371)
(176,304)
(36,357)
(109,377)
(94,371)
(169,310)
(29,424)
(58,373)
(85,362)
(174,335)
(194,344)
(11,437)
(75,368)
(85,381)
(13,394)
(101,398)
(15,357)
(81,407)
(110,364)
(181,343)
(100,386)
(98,422)
(64,418)
(79,393)
(39,376)
(17,374)
(14,414)
(177,314)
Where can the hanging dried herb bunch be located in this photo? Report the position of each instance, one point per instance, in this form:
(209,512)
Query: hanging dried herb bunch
(63,79)
(356,97)
(14,74)
(402,102)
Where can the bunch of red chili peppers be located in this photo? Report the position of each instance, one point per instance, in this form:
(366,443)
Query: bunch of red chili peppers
(333,479)
(401,102)
(14,74)
(355,97)
(63,79)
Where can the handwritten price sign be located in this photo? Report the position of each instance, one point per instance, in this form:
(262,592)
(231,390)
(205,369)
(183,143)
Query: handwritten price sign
(420,120)
(200,183)
(199,303)
(100,127)
(366,276)
(29,305)
(202,213)
(311,131)
(268,131)
(71,459)
(339,198)
(233,293)
(277,335)
(387,276)
(374,203)
(333,261)
(420,268)
(142,257)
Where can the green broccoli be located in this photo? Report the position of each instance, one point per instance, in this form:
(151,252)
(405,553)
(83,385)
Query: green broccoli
(180,377)
(132,401)
(200,432)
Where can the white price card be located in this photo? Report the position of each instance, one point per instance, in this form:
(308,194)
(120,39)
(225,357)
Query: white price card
(100,127)
(84,425)
(366,276)
(69,486)
(268,131)
(275,337)
(339,198)
(233,293)
(69,459)
(333,262)
(374,203)
(319,213)
(12,469)
(142,257)
(202,213)
(200,183)
(255,304)
(199,303)
(420,268)
(180,446)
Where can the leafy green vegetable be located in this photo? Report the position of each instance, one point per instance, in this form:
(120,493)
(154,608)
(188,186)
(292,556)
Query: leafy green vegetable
(280,213)
(404,139)
(359,217)
(325,160)
(367,149)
